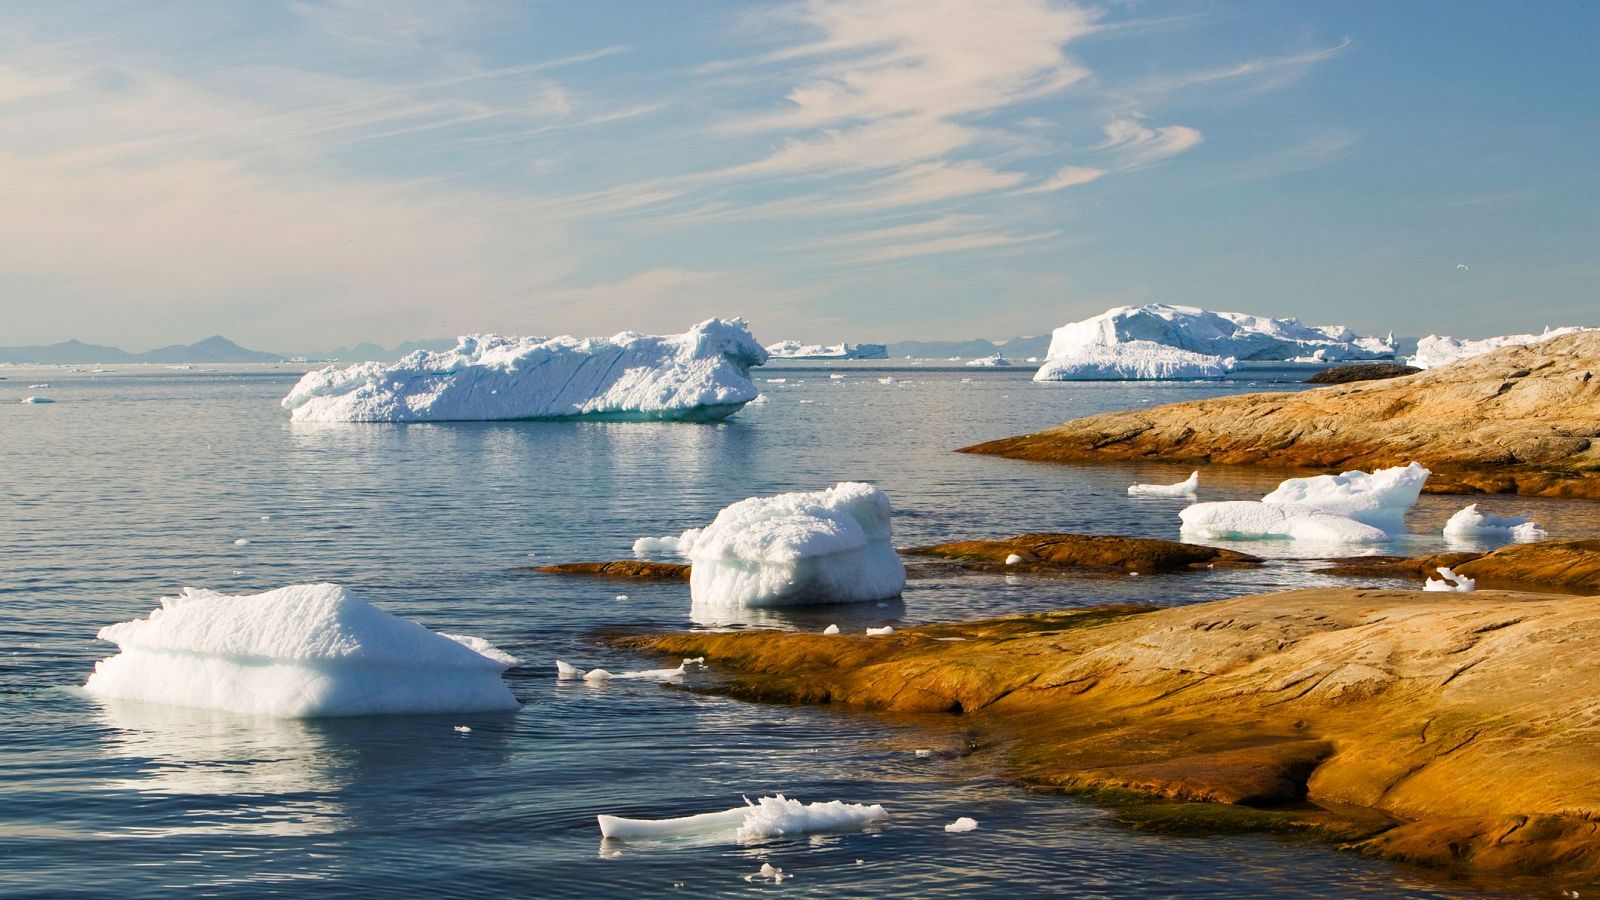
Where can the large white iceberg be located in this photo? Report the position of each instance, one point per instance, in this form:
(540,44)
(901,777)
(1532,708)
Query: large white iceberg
(798,350)
(827,546)
(298,651)
(1161,341)
(1349,508)
(1435,350)
(766,818)
(700,375)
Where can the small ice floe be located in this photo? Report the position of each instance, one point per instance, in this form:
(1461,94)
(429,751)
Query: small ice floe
(266,518)
(1471,523)
(622,596)
(42,384)
(463,729)
(37,400)
(835,377)
(1183,488)
(887,629)
(1013,559)
(887,379)
(760,400)
(777,381)
(767,817)
(241,542)
(769,872)
(1351,508)
(1448,580)
(962,824)
(565,672)
(966,381)
(647,545)
(924,754)
(831,629)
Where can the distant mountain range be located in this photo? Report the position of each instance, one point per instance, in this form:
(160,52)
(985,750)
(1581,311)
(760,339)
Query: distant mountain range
(1021,347)
(215,349)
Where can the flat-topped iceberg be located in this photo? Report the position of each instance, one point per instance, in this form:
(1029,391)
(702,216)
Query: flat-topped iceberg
(1470,523)
(1435,350)
(808,547)
(298,651)
(990,361)
(1349,508)
(700,375)
(798,350)
(1161,341)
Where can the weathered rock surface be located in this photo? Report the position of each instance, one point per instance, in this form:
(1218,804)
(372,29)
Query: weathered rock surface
(1546,565)
(622,568)
(1522,419)
(1452,729)
(1084,553)
(1361,372)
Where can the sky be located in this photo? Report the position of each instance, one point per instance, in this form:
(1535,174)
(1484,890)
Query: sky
(308,174)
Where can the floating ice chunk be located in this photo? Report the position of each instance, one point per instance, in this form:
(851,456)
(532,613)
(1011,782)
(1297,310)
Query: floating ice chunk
(887,629)
(42,384)
(303,650)
(242,541)
(777,381)
(1253,519)
(1013,559)
(924,754)
(828,546)
(760,400)
(768,817)
(770,872)
(1183,488)
(463,729)
(962,824)
(622,596)
(601,675)
(567,672)
(831,629)
(1380,499)
(1471,523)
(645,546)
(887,379)
(835,376)
(701,375)
(37,400)
(1133,361)
(990,361)
(266,518)
(1448,580)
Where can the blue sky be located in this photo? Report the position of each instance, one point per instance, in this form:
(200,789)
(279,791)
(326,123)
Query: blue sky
(307,174)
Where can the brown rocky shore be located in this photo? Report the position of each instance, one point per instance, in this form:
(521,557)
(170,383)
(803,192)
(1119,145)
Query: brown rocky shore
(1453,730)
(1522,419)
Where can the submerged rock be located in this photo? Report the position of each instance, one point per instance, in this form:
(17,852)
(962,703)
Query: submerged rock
(622,568)
(1420,725)
(1518,420)
(1083,552)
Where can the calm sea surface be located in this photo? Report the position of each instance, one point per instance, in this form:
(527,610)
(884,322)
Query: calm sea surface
(139,480)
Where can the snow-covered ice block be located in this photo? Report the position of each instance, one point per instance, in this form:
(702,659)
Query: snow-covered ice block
(1183,488)
(963,824)
(887,629)
(700,375)
(828,546)
(1380,499)
(831,629)
(768,817)
(1254,519)
(1448,580)
(1471,523)
(298,651)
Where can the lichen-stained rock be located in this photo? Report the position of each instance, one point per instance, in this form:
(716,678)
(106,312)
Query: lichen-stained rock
(1083,552)
(1446,718)
(623,568)
(1523,419)
(1543,565)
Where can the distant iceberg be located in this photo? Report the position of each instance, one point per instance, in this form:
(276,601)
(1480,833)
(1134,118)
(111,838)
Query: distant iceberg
(701,375)
(990,361)
(1435,350)
(793,549)
(1159,341)
(797,350)
(299,651)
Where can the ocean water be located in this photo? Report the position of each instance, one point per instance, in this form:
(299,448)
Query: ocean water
(140,479)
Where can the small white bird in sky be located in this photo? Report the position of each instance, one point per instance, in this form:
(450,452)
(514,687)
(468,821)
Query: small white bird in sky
(1463,267)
